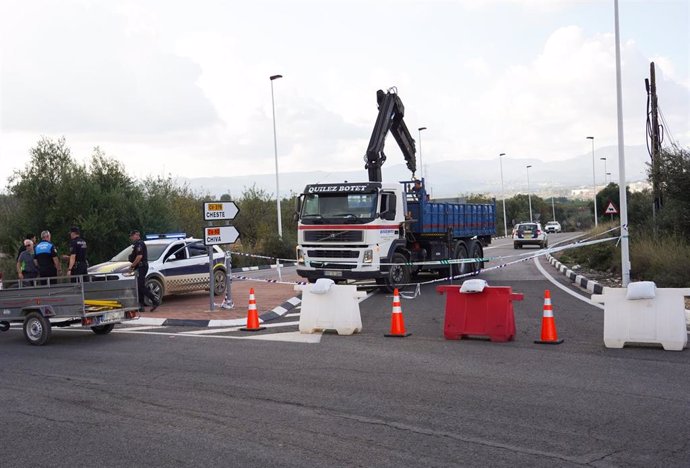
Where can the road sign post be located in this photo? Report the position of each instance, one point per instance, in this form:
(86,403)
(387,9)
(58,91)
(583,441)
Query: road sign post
(216,235)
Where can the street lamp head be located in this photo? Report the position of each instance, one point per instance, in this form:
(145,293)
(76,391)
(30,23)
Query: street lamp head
(529,166)
(275,77)
(421,128)
(590,138)
(603,159)
(502,154)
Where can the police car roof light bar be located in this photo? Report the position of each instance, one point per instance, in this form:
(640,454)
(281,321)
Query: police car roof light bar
(170,235)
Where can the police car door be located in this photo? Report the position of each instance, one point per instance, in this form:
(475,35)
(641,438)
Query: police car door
(181,272)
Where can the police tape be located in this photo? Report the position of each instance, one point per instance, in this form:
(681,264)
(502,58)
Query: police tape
(445,262)
(418,284)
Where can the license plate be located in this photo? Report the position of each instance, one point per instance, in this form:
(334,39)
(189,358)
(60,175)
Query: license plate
(112,317)
(333,273)
(528,235)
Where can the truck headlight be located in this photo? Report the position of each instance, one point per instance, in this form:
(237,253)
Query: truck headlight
(299,256)
(368,256)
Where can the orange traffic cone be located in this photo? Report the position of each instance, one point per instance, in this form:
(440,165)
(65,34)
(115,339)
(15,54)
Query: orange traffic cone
(252,315)
(397,322)
(549,335)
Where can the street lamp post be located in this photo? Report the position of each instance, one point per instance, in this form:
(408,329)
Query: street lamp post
(421,167)
(625,248)
(275,150)
(503,195)
(529,196)
(553,208)
(606,181)
(594,183)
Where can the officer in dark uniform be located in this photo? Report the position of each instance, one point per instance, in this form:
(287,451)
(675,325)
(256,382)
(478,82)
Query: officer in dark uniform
(140,266)
(77,253)
(46,256)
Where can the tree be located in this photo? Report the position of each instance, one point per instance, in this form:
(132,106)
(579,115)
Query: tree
(674,180)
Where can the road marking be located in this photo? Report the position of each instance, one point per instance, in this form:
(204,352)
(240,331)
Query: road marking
(564,288)
(153,327)
(211,331)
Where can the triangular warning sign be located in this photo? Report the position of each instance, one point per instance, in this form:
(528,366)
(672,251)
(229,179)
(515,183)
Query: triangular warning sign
(611,209)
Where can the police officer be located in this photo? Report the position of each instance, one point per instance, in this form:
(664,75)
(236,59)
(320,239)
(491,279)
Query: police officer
(139,260)
(46,256)
(77,253)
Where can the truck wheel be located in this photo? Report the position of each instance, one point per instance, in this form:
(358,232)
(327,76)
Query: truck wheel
(398,274)
(4,326)
(219,278)
(103,329)
(156,287)
(476,251)
(36,329)
(460,253)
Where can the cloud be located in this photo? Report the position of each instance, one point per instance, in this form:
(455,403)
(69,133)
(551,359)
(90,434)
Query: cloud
(80,67)
(548,106)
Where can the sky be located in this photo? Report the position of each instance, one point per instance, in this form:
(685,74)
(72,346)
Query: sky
(182,89)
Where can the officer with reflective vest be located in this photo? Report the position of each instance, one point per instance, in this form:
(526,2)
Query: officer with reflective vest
(140,267)
(77,253)
(46,256)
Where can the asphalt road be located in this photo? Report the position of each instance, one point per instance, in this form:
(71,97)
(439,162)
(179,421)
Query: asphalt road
(163,398)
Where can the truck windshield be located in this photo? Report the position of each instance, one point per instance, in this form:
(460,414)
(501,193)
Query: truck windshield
(319,208)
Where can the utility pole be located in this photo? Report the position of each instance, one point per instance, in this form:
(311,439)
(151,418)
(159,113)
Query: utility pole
(655,137)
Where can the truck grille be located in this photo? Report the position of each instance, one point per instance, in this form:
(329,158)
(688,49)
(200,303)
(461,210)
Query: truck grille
(333,236)
(332,266)
(332,253)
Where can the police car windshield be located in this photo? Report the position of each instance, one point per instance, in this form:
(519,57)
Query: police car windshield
(154,252)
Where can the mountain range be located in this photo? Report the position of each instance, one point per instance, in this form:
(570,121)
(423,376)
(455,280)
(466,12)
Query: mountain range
(456,178)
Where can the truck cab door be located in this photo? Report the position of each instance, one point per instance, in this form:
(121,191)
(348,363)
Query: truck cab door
(387,209)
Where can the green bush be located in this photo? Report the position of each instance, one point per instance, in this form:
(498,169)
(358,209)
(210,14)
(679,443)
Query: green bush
(663,259)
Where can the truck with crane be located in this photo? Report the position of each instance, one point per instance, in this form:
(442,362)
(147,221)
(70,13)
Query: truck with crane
(388,232)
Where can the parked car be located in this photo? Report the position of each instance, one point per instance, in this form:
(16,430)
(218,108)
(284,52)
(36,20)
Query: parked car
(529,234)
(552,226)
(177,264)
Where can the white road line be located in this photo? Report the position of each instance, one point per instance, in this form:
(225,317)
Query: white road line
(564,288)
(291,315)
(153,327)
(288,336)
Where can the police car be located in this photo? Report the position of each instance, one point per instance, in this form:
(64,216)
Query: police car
(177,264)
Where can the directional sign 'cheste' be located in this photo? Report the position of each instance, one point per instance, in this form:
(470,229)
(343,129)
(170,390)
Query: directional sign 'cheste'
(220,235)
(218,210)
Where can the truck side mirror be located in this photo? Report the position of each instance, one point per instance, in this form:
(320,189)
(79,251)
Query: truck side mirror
(298,208)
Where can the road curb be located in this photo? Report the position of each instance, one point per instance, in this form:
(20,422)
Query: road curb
(592,286)
(273,314)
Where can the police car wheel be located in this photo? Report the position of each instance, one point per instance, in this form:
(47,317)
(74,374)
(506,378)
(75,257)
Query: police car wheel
(156,287)
(219,278)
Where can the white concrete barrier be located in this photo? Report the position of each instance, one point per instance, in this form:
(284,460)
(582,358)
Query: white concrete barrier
(330,307)
(659,320)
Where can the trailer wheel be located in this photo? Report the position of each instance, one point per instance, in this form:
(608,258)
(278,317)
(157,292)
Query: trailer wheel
(36,329)
(460,253)
(4,326)
(103,329)
(476,251)
(398,274)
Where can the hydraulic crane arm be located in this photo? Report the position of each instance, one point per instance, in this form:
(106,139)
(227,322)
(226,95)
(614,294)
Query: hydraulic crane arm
(390,118)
